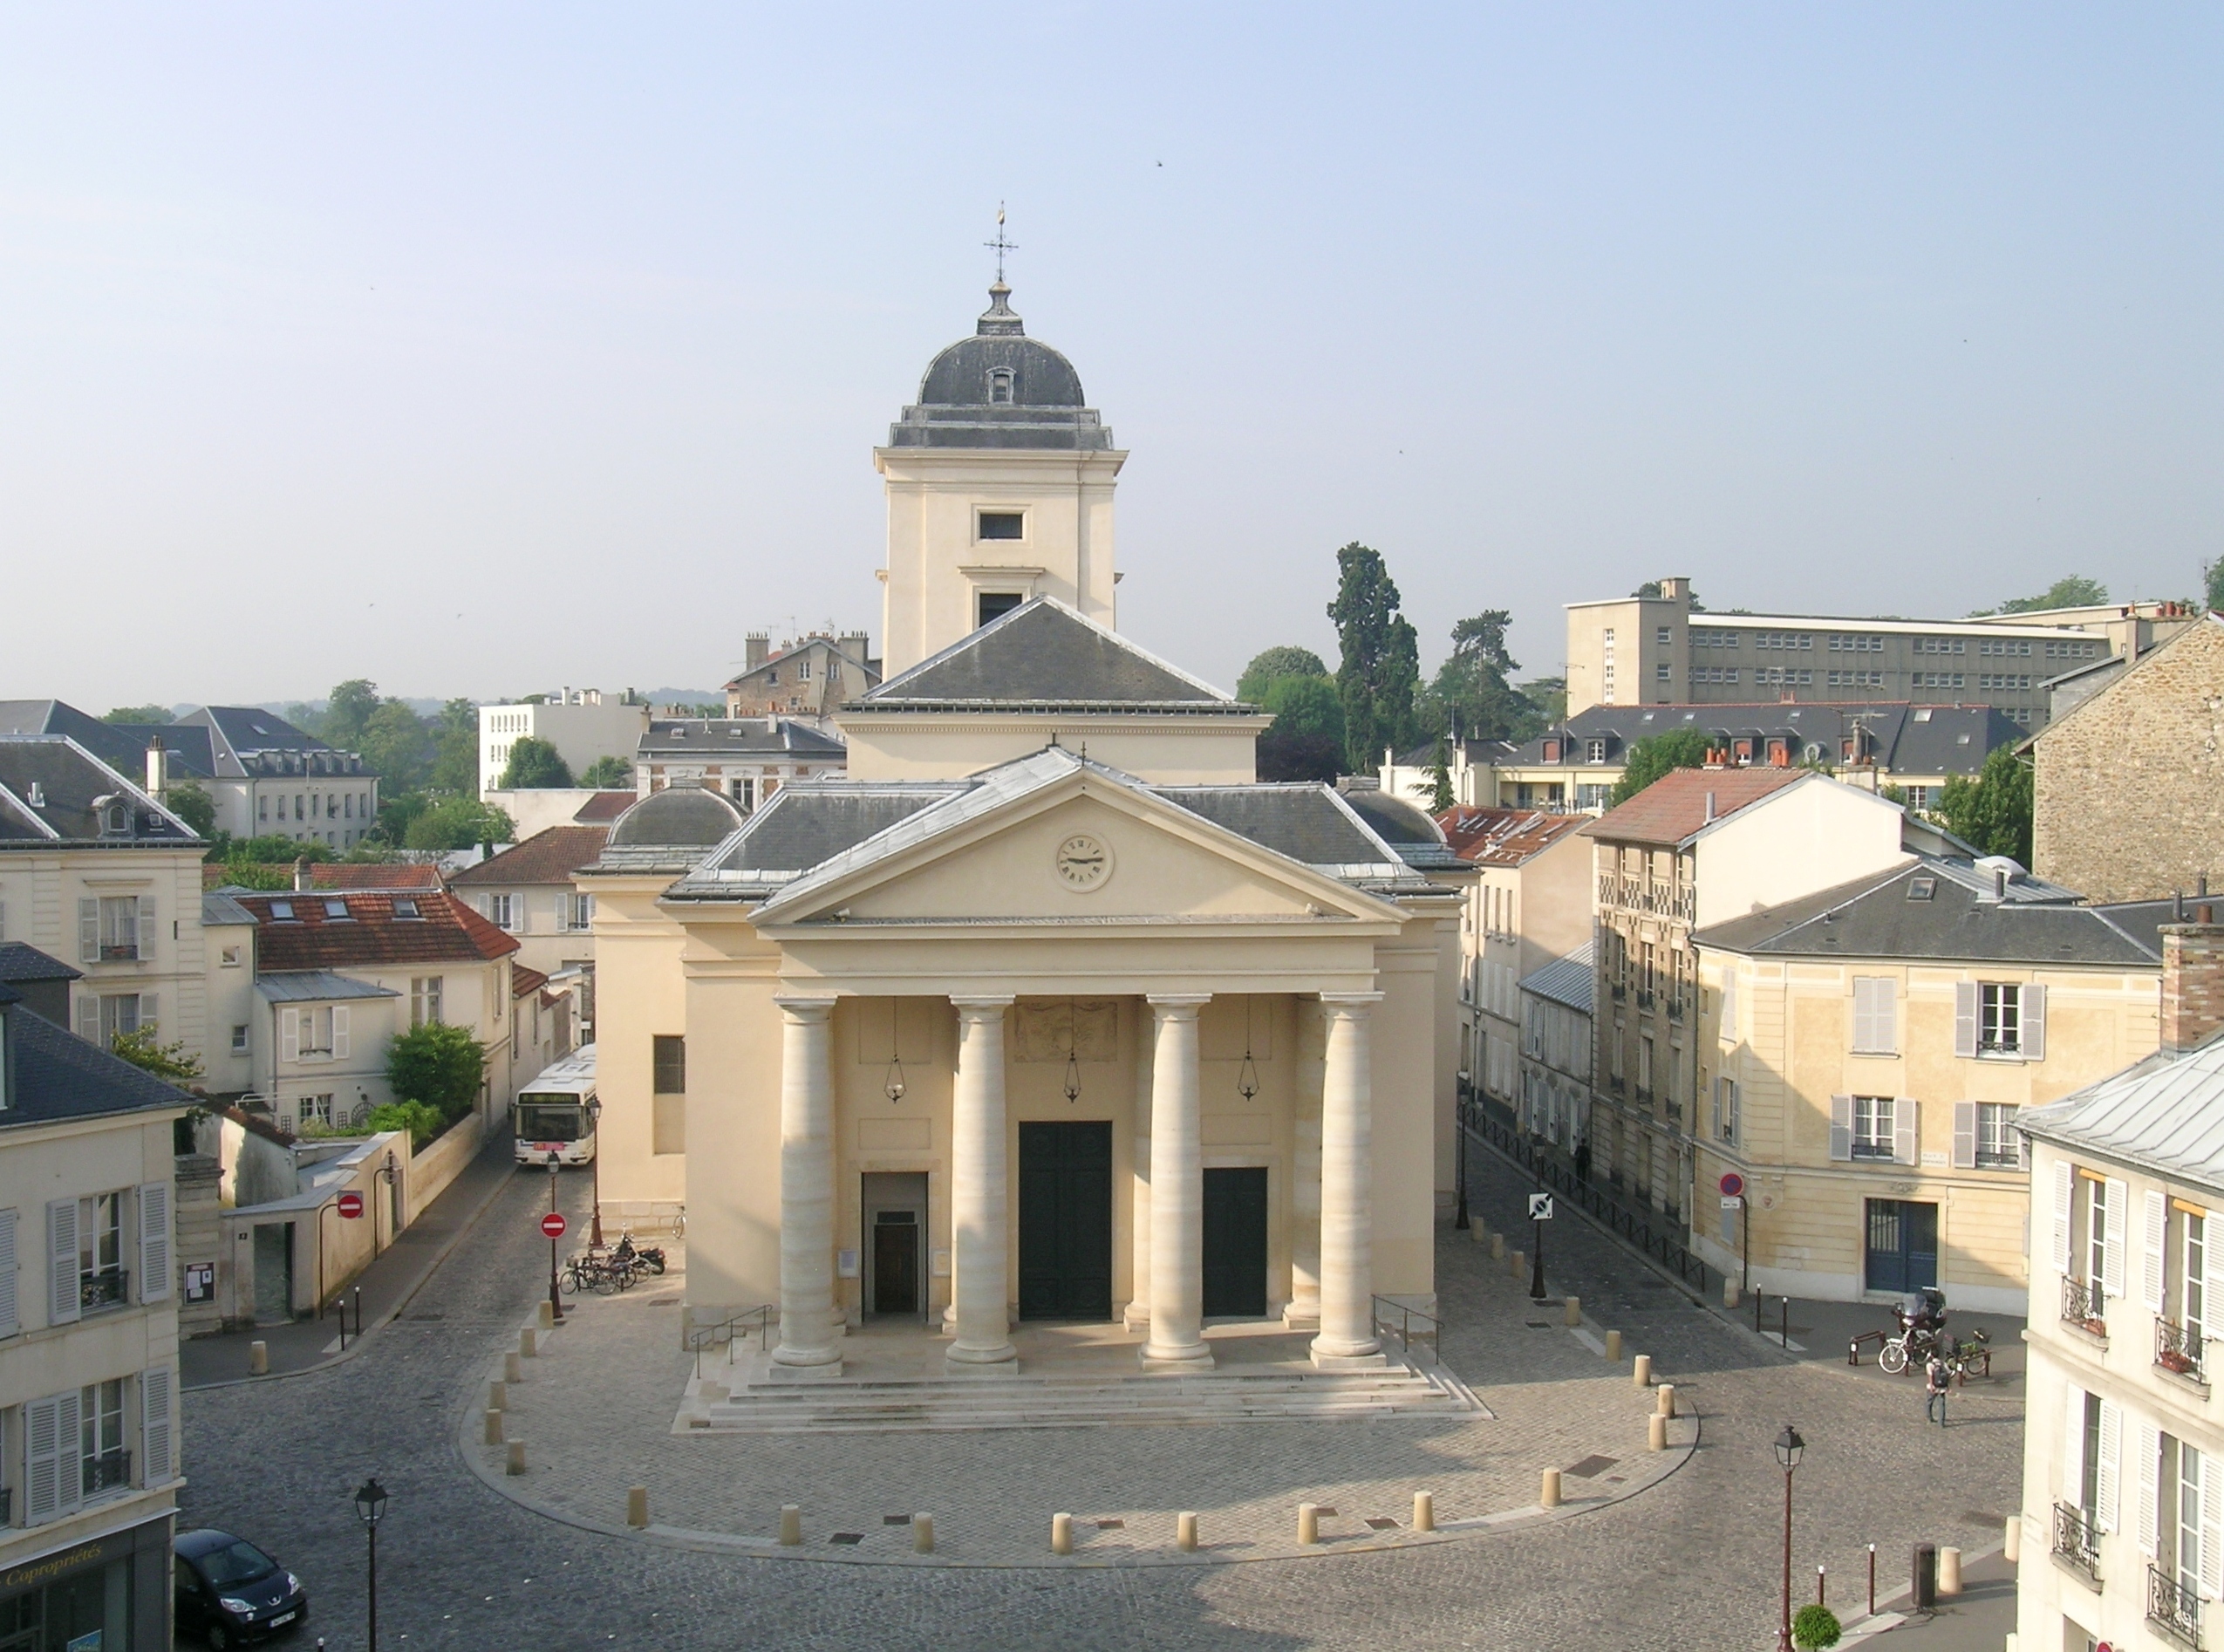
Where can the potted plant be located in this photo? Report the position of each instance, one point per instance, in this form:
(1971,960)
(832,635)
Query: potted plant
(1815,1628)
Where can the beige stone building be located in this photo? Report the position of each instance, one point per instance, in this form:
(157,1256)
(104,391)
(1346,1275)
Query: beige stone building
(809,677)
(2127,784)
(1048,1011)
(2123,1506)
(1866,1053)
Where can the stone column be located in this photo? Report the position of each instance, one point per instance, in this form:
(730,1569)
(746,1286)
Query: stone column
(1138,1313)
(1303,1313)
(1346,1340)
(1176,1340)
(809,1340)
(980,1200)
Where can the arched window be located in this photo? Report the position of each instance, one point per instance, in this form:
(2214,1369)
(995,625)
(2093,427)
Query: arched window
(999,385)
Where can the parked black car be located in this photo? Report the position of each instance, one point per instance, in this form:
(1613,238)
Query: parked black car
(229,1593)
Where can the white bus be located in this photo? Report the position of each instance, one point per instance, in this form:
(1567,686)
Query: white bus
(554,1114)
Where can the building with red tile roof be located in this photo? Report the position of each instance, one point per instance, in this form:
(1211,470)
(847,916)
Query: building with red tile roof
(528,891)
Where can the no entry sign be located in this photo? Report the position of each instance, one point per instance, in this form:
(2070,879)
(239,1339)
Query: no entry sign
(351,1205)
(553,1224)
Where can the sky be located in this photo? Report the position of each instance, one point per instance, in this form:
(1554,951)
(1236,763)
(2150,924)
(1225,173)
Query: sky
(480,349)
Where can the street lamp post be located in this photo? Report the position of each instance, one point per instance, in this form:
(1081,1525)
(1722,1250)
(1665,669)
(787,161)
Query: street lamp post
(556,1298)
(1459,1152)
(594,1128)
(369,1507)
(1788,1448)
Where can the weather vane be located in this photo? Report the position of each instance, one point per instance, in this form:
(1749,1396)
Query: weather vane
(1000,244)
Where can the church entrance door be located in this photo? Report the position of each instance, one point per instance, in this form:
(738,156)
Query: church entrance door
(895,1210)
(1066,1221)
(1235,1243)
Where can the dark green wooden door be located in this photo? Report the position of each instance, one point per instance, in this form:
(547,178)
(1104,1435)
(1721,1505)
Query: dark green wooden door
(1235,1243)
(1066,1221)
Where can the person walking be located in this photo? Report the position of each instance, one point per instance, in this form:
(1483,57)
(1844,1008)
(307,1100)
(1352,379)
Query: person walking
(1935,1382)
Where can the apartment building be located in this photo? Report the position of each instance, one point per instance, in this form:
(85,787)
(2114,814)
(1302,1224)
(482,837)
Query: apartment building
(2122,1508)
(88,1342)
(1647,649)
(809,677)
(1556,1046)
(747,759)
(1866,1053)
(529,892)
(582,724)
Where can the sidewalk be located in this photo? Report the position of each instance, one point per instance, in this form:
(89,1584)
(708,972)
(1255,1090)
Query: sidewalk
(1820,1331)
(1980,1619)
(387,1284)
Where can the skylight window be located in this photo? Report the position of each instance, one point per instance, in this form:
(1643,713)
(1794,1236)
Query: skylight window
(406,906)
(1921,888)
(1922,713)
(335,909)
(282,908)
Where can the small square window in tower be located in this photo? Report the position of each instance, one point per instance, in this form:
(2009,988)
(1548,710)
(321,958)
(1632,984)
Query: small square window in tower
(999,387)
(1003,524)
(993,605)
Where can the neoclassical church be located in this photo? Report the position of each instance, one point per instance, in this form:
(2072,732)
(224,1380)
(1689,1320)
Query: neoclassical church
(1048,1010)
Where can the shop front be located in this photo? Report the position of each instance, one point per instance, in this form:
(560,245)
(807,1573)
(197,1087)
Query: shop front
(108,1593)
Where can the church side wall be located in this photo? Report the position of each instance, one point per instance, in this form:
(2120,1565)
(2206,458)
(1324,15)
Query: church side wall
(1404,1045)
(732,1159)
(640,992)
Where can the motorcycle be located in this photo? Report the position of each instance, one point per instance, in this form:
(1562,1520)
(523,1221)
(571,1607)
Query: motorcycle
(647,1256)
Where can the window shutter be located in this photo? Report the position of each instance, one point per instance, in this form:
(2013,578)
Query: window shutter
(2212,1525)
(64,1300)
(289,1034)
(155,1450)
(2213,1272)
(51,1455)
(2119,1196)
(11,1322)
(2155,1228)
(1861,1016)
(1729,1005)
(2033,1022)
(1841,1128)
(2073,1451)
(154,1242)
(2149,1450)
(146,927)
(150,1011)
(1717,1108)
(1964,1019)
(2065,1188)
(88,1018)
(88,932)
(1965,1136)
(339,1033)
(1884,1012)
(1907,1139)
(2110,1474)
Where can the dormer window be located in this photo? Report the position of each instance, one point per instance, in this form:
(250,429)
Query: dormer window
(406,906)
(999,387)
(1594,751)
(1551,751)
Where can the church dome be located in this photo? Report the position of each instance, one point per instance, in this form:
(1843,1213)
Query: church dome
(677,817)
(1000,388)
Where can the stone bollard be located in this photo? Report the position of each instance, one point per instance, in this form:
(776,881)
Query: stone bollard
(1641,1371)
(1061,1534)
(1479,1233)
(498,1396)
(1497,1246)
(1614,1346)
(1519,1267)
(1575,1310)
(1308,1523)
(1664,1399)
(512,1368)
(922,1534)
(525,1343)
(494,1427)
(1185,1530)
(637,1507)
(1656,1432)
(791,1525)
(1729,1293)
(517,1463)
(2011,1547)
(1548,1489)
(258,1358)
(546,1319)
(1949,1571)
(1424,1511)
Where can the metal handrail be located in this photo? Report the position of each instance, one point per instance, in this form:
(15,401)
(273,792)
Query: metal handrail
(2177,1348)
(2173,1607)
(722,1334)
(2077,1539)
(1404,1327)
(2084,1303)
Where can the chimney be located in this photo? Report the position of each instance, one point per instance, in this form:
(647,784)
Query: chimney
(1710,809)
(302,881)
(1676,588)
(2192,981)
(158,768)
(755,650)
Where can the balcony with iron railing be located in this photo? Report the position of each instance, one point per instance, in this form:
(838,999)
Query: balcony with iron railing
(2178,1349)
(104,1288)
(2083,1305)
(1651,900)
(2077,1540)
(107,1470)
(2173,1607)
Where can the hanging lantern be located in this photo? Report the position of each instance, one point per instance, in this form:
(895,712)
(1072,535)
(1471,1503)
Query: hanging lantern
(1073,1078)
(894,1088)
(1247,1076)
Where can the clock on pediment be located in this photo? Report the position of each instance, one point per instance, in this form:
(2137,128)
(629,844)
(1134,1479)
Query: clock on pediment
(1084,861)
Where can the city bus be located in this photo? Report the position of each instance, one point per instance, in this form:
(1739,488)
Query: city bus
(553,1113)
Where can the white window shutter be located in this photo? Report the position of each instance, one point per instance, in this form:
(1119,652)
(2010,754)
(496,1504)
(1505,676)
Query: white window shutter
(2155,1228)
(1965,1136)
(155,1435)
(2212,1525)
(2065,1188)
(88,932)
(51,1447)
(154,1242)
(2110,1476)
(339,1033)
(64,1301)
(146,935)
(2149,1450)
(1841,1128)
(289,1034)
(1964,1019)
(2033,1022)
(2211,1296)
(2073,1447)
(1860,1011)
(1884,1011)
(88,1018)
(10,1321)
(1907,1139)
(150,1012)
(2119,1199)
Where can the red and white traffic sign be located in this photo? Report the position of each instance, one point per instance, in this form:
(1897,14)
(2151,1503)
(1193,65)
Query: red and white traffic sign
(553,1224)
(1732,1184)
(351,1205)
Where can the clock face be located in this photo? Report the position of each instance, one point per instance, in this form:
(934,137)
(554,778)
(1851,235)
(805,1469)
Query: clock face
(1083,862)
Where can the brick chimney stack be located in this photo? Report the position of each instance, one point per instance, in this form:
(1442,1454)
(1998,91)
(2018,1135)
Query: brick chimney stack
(2192,981)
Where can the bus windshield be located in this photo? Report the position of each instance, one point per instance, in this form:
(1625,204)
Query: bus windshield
(548,1120)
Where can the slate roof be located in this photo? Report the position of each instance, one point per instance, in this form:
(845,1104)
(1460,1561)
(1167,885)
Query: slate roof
(69,778)
(1308,823)
(59,1076)
(219,908)
(2166,1113)
(370,935)
(1564,980)
(122,746)
(316,986)
(20,961)
(1044,408)
(1897,736)
(2037,922)
(669,737)
(1672,810)
(550,857)
(1043,655)
(1504,837)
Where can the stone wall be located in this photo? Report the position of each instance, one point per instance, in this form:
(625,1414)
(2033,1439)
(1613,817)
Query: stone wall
(2127,785)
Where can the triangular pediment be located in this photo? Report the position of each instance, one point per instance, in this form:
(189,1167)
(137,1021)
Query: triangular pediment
(1041,654)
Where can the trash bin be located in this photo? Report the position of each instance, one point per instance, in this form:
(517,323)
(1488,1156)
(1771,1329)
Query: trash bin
(1925,1592)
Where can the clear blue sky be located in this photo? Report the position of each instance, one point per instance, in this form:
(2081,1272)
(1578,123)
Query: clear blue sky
(481,349)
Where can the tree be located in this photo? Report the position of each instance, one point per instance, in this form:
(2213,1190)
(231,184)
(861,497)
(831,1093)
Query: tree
(396,745)
(144,1049)
(1380,663)
(1547,696)
(1267,668)
(2072,591)
(1658,754)
(438,1065)
(1993,812)
(347,713)
(193,806)
(1286,756)
(1652,588)
(459,823)
(139,714)
(1306,706)
(2213,596)
(455,746)
(608,775)
(1471,696)
(1440,779)
(534,765)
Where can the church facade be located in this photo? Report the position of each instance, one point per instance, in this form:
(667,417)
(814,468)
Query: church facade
(1047,1010)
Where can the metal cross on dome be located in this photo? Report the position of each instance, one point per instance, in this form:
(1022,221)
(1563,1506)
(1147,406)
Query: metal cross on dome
(1000,245)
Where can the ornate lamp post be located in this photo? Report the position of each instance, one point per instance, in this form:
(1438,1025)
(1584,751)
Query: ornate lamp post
(594,1128)
(370,1508)
(1788,1448)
